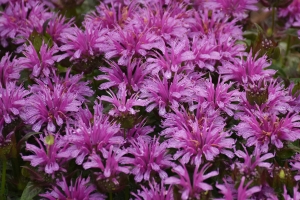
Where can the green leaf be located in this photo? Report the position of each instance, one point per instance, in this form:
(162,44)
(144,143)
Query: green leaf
(30,191)
(294,147)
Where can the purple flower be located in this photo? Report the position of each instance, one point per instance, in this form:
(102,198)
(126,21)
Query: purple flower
(243,192)
(109,163)
(296,192)
(162,92)
(290,13)
(9,70)
(205,50)
(122,105)
(244,70)
(81,189)
(149,157)
(156,191)
(191,187)
(46,156)
(115,75)
(57,25)
(197,138)
(269,96)
(90,135)
(295,163)
(127,43)
(139,130)
(40,63)
(50,107)
(171,61)
(83,44)
(238,8)
(263,129)
(12,102)
(220,96)
(256,159)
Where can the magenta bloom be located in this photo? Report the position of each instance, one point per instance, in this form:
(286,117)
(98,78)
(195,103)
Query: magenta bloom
(83,44)
(290,13)
(242,71)
(109,163)
(295,163)
(263,129)
(199,138)
(12,102)
(57,25)
(50,107)
(81,189)
(156,191)
(91,135)
(127,43)
(149,157)
(221,97)
(252,161)
(191,187)
(40,63)
(238,8)
(162,92)
(46,154)
(115,75)
(9,69)
(122,105)
(242,192)
(172,59)
(296,192)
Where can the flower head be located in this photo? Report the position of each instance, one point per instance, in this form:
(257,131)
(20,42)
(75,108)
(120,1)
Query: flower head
(41,62)
(191,187)
(12,102)
(50,107)
(296,192)
(81,189)
(9,69)
(295,163)
(155,191)
(46,154)
(238,8)
(149,157)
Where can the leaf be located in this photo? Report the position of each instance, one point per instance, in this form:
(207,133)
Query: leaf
(30,191)
(25,138)
(294,147)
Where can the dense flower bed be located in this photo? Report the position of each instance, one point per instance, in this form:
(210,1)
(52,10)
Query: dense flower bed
(149,99)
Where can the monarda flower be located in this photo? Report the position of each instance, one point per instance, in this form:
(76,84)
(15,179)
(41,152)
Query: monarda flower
(171,60)
(162,93)
(220,96)
(296,193)
(83,44)
(242,192)
(123,105)
(238,8)
(149,158)
(81,189)
(133,76)
(251,161)
(270,96)
(295,163)
(128,43)
(243,70)
(46,154)
(191,187)
(50,107)
(12,102)
(264,129)
(155,191)
(9,69)
(40,63)
(91,135)
(109,163)
(199,138)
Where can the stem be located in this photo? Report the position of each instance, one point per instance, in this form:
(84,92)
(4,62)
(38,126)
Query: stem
(3,180)
(288,45)
(273,19)
(110,196)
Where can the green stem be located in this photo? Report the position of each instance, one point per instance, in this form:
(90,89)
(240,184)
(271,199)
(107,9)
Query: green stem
(273,19)
(288,46)
(3,180)
(110,196)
